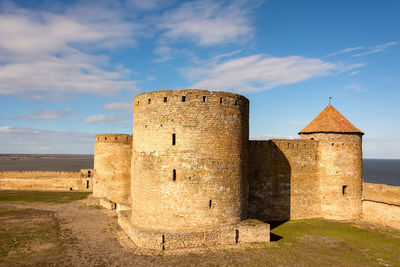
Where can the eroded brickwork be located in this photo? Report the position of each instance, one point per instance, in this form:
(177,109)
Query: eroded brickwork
(340,173)
(112,162)
(283,180)
(189,163)
(46,180)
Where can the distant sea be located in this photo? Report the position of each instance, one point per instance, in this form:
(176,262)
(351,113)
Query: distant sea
(381,171)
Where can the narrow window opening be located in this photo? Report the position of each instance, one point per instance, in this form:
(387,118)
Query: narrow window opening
(138,103)
(312,138)
(163,242)
(316,157)
(236,102)
(344,190)
(173,139)
(126,138)
(149,101)
(70,189)
(183,98)
(210,204)
(87,184)
(237,236)
(88,174)
(105,138)
(174,175)
(333,144)
(204,99)
(220,100)
(116,138)
(165,99)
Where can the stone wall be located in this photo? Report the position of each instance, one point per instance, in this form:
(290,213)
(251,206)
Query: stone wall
(190,159)
(381,204)
(340,173)
(45,180)
(283,179)
(112,162)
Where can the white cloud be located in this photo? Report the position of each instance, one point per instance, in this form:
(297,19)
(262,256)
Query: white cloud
(118,106)
(109,118)
(347,50)
(53,52)
(354,73)
(365,50)
(208,22)
(150,4)
(47,114)
(30,140)
(261,72)
(151,78)
(376,49)
(354,87)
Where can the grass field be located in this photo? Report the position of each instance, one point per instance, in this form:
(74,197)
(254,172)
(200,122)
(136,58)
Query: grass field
(43,237)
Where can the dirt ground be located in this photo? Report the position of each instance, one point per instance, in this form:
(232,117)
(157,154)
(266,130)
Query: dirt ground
(80,233)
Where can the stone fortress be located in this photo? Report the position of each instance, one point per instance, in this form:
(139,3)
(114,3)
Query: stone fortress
(189,176)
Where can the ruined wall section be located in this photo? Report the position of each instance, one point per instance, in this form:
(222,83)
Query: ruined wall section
(190,159)
(45,180)
(381,204)
(340,171)
(112,164)
(283,179)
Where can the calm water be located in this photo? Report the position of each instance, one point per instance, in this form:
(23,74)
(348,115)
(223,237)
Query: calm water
(382,171)
(56,164)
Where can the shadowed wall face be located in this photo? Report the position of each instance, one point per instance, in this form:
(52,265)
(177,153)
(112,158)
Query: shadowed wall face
(340,172)
(112,162)
(283,180)
(190,159)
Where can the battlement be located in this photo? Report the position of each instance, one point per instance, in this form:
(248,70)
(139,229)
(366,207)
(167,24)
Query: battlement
(114,138)
(285,143)
(189,97)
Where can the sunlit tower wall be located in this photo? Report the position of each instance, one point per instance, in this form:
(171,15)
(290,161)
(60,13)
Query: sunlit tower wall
(112,164)
(340,164)
(189,159)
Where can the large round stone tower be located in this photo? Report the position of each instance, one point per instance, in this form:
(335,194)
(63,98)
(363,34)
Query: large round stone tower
(112,163)
(189,161)
(340,163)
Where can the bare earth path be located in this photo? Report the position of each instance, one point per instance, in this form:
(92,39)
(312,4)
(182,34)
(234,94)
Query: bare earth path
(78,233)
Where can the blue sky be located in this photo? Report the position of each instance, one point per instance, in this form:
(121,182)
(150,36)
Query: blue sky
(70,69)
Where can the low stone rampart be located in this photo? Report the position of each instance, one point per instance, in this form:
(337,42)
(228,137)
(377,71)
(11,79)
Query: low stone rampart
(46,180)
(381,204)
(283,180)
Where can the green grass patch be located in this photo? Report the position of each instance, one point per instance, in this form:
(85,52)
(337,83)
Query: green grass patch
(41,196)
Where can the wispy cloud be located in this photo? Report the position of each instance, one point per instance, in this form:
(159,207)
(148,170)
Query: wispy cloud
(52,51)
(109,118)
(362,50)
(261,72)
(30,140)
(207,22)
(118,106)
(47,114)
(353,73)
(347,50)
(354,87)
(376,49)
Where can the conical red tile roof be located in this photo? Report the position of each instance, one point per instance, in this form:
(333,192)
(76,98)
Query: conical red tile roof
(330,121)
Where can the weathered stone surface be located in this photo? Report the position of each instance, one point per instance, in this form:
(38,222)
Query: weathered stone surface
(381,193)
(381,213)
(201,180)
(107,204)
(112,162)
(340,174)
(283,180)
(245,232)
(45,180)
